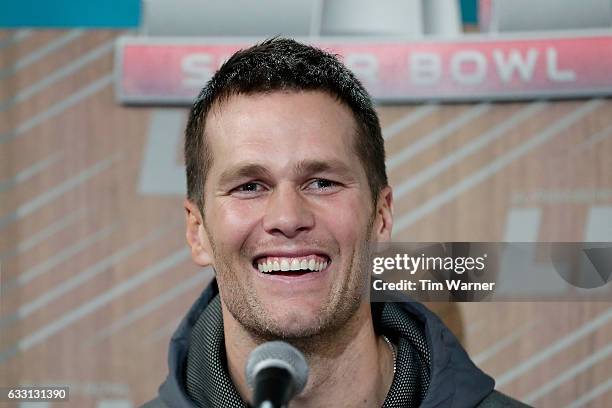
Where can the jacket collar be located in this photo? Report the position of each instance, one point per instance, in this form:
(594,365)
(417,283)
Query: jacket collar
(454,379)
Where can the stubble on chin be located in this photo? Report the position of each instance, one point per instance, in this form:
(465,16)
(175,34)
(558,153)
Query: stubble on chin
(245,307)
(242,302)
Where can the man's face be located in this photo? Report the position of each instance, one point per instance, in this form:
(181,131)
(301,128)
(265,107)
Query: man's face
(287,191)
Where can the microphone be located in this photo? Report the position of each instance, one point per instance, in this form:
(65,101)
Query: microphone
(277,372)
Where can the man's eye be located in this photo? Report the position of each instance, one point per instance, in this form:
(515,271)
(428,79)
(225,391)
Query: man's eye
(248,188)
(323,184)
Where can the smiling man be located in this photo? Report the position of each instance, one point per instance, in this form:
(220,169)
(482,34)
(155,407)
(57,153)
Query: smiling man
(287,193)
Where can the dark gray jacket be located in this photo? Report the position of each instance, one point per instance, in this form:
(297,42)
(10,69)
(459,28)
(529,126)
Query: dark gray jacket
(455,381)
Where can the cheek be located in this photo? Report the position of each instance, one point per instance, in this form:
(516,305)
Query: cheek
(349,223)
(234,220)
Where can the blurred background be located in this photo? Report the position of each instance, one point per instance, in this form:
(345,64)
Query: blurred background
(497,122)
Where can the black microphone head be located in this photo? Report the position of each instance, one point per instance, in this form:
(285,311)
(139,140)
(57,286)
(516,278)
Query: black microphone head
(281,355)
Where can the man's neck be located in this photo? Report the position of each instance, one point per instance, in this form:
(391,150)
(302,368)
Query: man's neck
(352,369)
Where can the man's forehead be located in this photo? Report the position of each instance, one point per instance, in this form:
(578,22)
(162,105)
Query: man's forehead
(253,107)
(300,125)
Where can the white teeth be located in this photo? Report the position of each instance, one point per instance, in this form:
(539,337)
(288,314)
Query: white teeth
(291,264)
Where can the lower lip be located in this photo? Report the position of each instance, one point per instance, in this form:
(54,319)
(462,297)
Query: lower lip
(294,278)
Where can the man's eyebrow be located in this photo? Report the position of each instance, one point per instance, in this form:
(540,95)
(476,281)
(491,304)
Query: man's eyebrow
(243,170)
(301,168)
(308,167)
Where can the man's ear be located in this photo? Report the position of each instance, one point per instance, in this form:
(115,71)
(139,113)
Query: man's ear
(383,223)
(197,239)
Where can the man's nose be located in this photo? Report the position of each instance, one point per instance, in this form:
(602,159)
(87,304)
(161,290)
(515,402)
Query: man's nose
(287,213)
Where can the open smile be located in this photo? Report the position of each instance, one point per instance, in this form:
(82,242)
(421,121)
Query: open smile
(308,263)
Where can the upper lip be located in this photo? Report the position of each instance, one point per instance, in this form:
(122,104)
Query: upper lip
(290,253)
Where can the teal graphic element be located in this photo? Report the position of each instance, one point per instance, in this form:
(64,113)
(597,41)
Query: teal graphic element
(70,13)
(469,11)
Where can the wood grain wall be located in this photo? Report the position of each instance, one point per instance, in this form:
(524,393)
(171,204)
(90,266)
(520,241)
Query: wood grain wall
(95,273)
